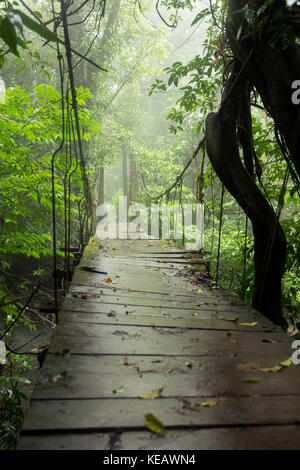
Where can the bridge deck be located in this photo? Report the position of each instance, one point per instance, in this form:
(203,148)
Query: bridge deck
(151,328)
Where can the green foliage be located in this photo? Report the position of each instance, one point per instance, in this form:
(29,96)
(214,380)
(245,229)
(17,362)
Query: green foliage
(12,399)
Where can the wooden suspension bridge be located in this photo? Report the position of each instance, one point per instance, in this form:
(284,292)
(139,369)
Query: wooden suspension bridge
(134,323)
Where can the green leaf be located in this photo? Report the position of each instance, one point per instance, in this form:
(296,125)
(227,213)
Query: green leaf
(295,189)
(37,28)
(286,363)
(8,34)
(252,380)
(222,317)
(154,424)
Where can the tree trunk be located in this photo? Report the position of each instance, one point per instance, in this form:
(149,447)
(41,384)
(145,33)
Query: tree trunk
(223,151)
(272,71)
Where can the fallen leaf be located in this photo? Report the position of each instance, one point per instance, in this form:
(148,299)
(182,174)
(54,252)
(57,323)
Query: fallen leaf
(164,313)
(59,377)
(206,403)
(154,424)
(271,369)
(195,314)
(249,324)
(80,296)
(286,363)
(119,389)
(222,317)
(189,364)
(152,394)
(108,280)
(253,380)
(200,291)
(157,360)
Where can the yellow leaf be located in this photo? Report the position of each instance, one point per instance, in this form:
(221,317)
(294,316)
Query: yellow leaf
(189,364)
(200,291)
(153,394)
(271,369)
(108,280)
(249,324)
(206,403)
(195,314)
(154,424)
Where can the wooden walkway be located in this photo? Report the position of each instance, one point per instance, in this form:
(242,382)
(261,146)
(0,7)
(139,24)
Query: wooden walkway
(151,328)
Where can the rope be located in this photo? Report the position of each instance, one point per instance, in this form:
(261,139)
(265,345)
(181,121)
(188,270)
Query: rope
(178,178)
(220,232)
(245,260)
(59,56)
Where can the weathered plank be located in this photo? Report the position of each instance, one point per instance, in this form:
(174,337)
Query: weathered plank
(80,376)
(161,319)
(105,415)
(235,438)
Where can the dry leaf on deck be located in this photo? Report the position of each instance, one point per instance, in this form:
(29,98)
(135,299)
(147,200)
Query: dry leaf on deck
(208,403)
(222,317)
(154,424)
(152,394)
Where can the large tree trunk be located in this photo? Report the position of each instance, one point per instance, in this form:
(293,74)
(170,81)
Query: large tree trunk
(223,151)
(271,70)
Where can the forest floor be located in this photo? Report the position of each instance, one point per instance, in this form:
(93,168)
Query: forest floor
(146,356)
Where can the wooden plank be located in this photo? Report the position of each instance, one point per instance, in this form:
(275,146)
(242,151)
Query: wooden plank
(141,302)
(108,344)
(225,438)
(130,296)
(160,319)
(81,376)
(57,415)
